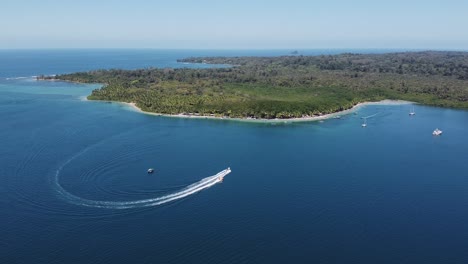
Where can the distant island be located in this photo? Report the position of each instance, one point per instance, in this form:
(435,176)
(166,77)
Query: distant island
(287,86)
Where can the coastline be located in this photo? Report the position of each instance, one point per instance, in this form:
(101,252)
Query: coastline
(135,108)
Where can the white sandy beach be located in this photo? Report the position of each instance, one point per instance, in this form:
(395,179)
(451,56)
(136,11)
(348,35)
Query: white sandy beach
(300,119)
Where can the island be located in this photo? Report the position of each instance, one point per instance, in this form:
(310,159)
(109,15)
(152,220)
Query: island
(285,87)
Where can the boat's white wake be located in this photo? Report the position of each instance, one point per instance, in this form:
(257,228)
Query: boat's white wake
(365,117)
(204,183)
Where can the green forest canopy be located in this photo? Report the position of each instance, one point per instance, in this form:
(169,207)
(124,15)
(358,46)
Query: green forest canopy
(287,86)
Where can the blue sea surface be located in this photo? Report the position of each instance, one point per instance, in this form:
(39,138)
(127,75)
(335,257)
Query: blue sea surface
(312,192)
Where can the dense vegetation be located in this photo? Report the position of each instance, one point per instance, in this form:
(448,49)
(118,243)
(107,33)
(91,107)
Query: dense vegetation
(288,86)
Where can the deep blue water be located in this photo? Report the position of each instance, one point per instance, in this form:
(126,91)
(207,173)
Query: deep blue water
(330,192)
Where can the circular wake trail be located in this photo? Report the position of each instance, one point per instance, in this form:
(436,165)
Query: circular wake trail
(203,184)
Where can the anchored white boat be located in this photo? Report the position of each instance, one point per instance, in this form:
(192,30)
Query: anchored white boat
(437,132)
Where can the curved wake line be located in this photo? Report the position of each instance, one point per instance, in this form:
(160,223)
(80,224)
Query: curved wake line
(370,115)
(204,183)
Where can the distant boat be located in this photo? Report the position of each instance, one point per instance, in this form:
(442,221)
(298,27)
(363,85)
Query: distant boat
(437,132)
(365,122)
(412,113)
(150,170)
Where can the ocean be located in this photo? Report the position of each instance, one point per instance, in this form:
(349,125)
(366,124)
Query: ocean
(74,185)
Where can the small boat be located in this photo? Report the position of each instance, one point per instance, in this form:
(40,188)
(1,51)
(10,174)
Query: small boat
(226,172)
(437,132)
(150,170)
(412,113)
(365,123)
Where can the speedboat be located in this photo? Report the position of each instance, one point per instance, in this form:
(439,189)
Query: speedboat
(437,132)
(224,173)
(150,170)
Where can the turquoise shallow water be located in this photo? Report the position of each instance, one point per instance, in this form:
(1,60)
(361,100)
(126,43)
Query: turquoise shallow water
(330,192)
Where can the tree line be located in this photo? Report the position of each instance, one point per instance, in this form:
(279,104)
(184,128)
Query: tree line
(287,86)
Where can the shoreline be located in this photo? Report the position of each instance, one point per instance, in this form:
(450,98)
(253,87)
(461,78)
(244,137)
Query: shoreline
(259,120)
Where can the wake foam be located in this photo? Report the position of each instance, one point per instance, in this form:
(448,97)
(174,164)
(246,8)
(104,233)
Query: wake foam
(203,184)
(370,116)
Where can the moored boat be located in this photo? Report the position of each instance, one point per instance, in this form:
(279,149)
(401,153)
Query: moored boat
(437,132)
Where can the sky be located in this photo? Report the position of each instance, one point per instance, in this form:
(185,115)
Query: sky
(241,24)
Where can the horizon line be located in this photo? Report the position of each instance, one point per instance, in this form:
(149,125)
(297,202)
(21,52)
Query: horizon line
(246,49)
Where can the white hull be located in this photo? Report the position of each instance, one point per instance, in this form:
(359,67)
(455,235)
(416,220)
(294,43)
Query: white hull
(437,132)
(220,175)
